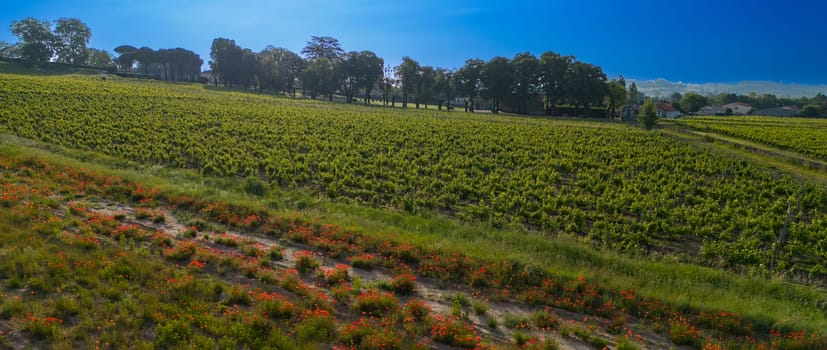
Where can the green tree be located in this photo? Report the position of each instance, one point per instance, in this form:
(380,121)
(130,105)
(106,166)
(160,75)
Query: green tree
(70,39)
(36,40)
(444,87)
(616,96)
(554,76)
(99,58)
(648,114)
(226,60)
(323,46)
(497,77)
(526,79)
(126,58)
(388,83)
(811,111)
(692,102)
(468,81)
(425,86)
(586,85)
(320,77)
(408,72)
(360,71)
(279,68)
(145,56)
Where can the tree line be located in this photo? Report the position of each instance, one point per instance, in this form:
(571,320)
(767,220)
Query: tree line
(692,102)
(325,69)
(522,84)
(66,43)
(167,64)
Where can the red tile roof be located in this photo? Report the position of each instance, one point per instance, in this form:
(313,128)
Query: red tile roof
(666,107)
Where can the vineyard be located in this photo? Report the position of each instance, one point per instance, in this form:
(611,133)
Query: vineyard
(613,185)
(802,135)
(90,260)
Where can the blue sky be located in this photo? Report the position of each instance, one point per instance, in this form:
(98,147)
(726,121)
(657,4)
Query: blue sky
(691,41)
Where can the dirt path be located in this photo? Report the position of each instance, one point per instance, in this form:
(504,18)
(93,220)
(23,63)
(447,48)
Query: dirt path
(436,294)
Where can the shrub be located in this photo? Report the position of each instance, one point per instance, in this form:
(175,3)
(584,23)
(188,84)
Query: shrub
(337,275)
(376,303)
(275,253)
(365,261)
(479,307)
(239,296)
(544,319)
(276,306)
(682,332)
(182,251)
(172,332)
(255,186)
(453,331)
(648,115)
(305,262)
(624,343)
(514,321)
(403,284)
(417,310)
(316,326)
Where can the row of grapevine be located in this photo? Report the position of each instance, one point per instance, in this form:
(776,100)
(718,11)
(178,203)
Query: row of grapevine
(803,135)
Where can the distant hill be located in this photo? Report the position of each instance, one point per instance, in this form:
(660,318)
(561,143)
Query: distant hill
(663,87)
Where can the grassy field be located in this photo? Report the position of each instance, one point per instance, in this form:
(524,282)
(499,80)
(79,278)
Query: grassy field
(616,193)
(802,135)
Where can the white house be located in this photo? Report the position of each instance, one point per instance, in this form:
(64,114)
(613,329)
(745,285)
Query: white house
(666,110)
(738,108)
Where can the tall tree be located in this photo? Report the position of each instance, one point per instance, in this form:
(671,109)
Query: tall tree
(648,114)
(616,96)
(360,71)
(226,60)
(408,72)
(320,77)
(425,86)
(36,40)
(99,58)
(587,85)
(468,81)
(349,68)
(248,66)
(497,77)
(554,75)
(323,46)
(145,56)
(526,79)
(444,87)
(279,68)
(126,58)
(388,82)
(370,72)
(70,39)
(692,102)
